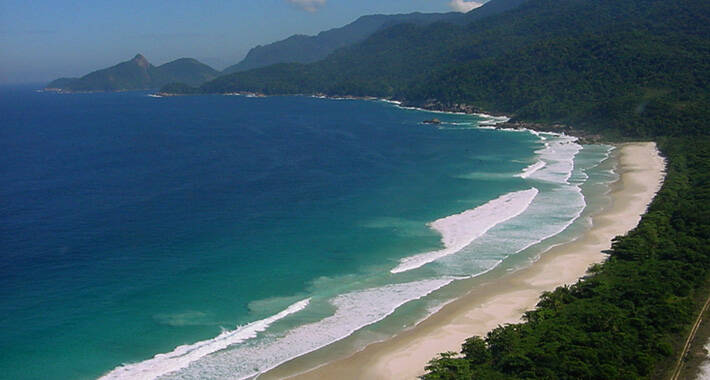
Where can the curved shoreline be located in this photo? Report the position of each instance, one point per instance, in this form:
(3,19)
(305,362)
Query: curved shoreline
(504,299)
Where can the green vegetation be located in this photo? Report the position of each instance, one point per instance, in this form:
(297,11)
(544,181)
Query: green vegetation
(185,70)
(308,49)
(621,321)
(623,68)
(138,74)
(633,69)
(626,68)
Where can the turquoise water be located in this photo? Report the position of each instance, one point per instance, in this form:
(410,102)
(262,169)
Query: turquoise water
(235,233)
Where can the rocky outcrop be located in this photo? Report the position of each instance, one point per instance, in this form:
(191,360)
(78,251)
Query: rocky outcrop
(584,137)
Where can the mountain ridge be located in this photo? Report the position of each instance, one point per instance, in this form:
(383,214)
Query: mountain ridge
(304,49)
(618,66)
(137,74)
(300,48)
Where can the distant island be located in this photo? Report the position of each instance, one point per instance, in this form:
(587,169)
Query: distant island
(137,74)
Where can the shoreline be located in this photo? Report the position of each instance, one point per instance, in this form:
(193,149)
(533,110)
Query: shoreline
(502,300)
(584,137)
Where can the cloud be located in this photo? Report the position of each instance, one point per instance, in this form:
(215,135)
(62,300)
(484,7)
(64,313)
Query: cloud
(308,5)
(463,5)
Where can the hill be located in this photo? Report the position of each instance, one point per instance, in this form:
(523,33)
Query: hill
(185,70)
(637,67)
(627,69)
(628,318)
(307,49)
(138,74)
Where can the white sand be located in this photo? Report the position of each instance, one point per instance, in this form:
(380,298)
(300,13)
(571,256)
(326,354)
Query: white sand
(504,299)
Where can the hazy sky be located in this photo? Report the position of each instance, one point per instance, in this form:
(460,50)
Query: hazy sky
(41,40)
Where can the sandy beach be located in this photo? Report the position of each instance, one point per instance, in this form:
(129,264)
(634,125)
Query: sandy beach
(503,299)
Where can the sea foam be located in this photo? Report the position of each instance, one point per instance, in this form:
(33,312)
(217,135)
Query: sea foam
(353,311)
(234,355)
(459,230)
(558,205)
(556,164)
(530,170)
(182,356)
(558,155)
(704,367)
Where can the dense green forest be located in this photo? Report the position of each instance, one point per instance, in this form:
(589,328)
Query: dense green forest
(623,68)
(627,68)
(307,49)
(621,321)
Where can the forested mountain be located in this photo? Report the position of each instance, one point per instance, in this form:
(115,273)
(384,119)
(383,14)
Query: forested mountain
(138,74)
(309,49)
(306,49)
(628,316)
(625,68)
(193,71)
(490,8)
(637,67)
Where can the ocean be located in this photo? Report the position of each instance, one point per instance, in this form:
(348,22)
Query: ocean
(219,236)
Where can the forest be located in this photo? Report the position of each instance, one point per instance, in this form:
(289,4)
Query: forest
(631,69)
(625,318)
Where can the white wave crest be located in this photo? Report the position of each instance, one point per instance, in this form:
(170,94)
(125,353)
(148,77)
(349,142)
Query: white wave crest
(704,367)
(573,211)
(537,134)
(182,356)
(492,120)
(390,101)
(459,230)
(353,311)
(558,154)
(527,172)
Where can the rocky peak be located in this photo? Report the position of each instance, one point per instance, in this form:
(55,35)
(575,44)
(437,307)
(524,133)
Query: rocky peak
(140,60)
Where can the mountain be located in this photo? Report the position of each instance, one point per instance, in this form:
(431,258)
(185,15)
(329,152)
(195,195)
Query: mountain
(129,75)
(309,49)
(635,67)
(490,8)
(138,74)
(185,70)
(306,49)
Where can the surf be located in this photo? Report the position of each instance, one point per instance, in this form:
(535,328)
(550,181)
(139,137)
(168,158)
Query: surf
(182,356)
(459,230)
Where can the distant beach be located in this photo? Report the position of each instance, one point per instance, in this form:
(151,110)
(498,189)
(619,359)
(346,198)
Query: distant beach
(497,300)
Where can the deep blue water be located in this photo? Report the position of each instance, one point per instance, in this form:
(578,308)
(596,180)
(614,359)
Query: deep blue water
(131,224)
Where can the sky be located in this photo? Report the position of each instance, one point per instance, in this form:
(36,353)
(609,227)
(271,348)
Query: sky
(41,40)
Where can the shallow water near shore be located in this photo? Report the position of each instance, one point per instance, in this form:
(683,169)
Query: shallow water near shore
(230,234)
